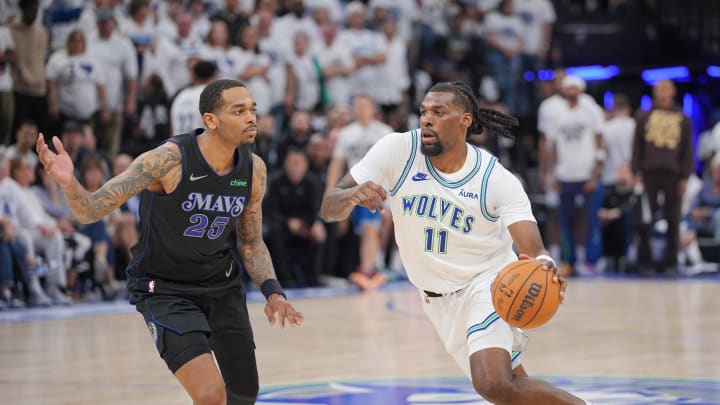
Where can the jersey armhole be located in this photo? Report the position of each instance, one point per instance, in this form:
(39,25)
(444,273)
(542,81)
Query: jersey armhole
(483,191)
(183,163)
(408,163)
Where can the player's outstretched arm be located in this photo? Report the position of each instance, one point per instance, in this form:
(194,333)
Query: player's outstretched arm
(529,244)
(146,170)
(255,255)
(341,199)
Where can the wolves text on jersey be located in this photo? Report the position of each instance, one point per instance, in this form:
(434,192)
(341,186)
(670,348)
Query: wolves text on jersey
(228,204)
(438,209)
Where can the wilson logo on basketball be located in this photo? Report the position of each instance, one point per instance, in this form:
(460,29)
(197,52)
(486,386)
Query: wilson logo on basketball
(533,292)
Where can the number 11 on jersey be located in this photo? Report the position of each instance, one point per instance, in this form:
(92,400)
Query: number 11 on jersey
(442,237)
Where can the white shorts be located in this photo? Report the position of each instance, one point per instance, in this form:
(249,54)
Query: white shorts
(466,322)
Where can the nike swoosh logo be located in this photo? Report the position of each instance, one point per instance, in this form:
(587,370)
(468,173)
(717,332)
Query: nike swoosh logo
(227,273)
(195,178)
(420,177)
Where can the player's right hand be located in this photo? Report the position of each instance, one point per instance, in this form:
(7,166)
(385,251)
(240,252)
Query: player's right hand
(58,165)
(369,195)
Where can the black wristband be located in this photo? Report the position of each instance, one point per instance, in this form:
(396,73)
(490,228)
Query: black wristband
(270,287)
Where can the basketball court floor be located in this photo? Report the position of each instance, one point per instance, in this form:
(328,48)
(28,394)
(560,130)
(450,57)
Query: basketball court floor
(615,341)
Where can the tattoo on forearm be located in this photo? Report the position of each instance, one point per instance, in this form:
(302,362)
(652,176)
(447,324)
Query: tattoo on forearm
(89,207)
(253,251)
(336,204)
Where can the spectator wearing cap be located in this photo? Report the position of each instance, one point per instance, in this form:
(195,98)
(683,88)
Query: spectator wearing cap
(116,57)
(76,89)
(28,69)
(578,154)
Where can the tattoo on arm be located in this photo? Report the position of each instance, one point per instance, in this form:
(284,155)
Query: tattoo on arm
(151,166)
(253,251)
(336,204)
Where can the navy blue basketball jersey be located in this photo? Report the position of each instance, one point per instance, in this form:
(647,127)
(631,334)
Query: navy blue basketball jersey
(185,236)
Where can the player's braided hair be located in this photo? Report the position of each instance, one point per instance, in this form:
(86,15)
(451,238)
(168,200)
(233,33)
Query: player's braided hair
(490,120)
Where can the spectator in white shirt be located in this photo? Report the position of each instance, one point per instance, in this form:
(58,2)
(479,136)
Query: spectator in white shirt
(140,28)
(42,233)
(353,143)
(578,155)
(294,21)
(118,61)
(219,50)
(368,52)
(185,110)
(618,134)
(25,138)
(303,91)
(76,89)
(538,17)
(173,56)
(505,36)
(255,69)
(395,77)
(337,65)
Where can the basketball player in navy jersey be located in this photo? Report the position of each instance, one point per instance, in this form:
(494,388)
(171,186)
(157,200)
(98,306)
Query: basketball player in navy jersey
(457,215)
(195,189)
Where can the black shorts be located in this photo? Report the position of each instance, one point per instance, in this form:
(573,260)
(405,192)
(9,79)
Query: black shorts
(186,326)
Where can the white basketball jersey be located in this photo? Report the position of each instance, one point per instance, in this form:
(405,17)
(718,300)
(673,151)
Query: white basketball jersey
(448,231)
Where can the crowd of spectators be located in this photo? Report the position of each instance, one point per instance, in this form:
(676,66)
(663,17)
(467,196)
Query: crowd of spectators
(115,78)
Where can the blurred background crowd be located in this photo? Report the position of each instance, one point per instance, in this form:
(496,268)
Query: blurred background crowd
(616,98)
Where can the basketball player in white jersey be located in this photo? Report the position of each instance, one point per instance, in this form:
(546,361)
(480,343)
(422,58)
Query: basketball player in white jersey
(184,114)
(457,212)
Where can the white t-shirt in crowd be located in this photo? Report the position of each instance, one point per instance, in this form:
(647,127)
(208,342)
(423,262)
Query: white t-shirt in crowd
(451,228)
(364,43)
(278,69)
(259,86)
(356,140)
(618,136)
(76,79)
(119,63)
(307,77)
(508,29)
(573,135)
(336,54)
(185,110)
(553,106)
(534,15)
(395,77)
(6,43)
(227,60)
(171,61)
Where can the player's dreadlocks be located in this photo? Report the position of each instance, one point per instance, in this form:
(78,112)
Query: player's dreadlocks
(490,120)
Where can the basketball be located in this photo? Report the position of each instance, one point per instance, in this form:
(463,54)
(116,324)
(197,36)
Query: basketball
(524,294)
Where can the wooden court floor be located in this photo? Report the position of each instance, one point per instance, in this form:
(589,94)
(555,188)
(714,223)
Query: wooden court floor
(610,328)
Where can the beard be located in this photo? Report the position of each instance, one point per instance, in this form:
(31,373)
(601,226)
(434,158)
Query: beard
(432,150)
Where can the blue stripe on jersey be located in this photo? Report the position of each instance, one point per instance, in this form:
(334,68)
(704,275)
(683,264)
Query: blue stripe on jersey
(408,164)
(514,355)
(460,182)
(483,191)
(484,324)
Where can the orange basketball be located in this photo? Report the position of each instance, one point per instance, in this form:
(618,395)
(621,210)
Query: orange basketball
(524,294)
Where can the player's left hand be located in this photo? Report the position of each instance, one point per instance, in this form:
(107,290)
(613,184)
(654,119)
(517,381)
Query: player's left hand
(277,308)
(557,278)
